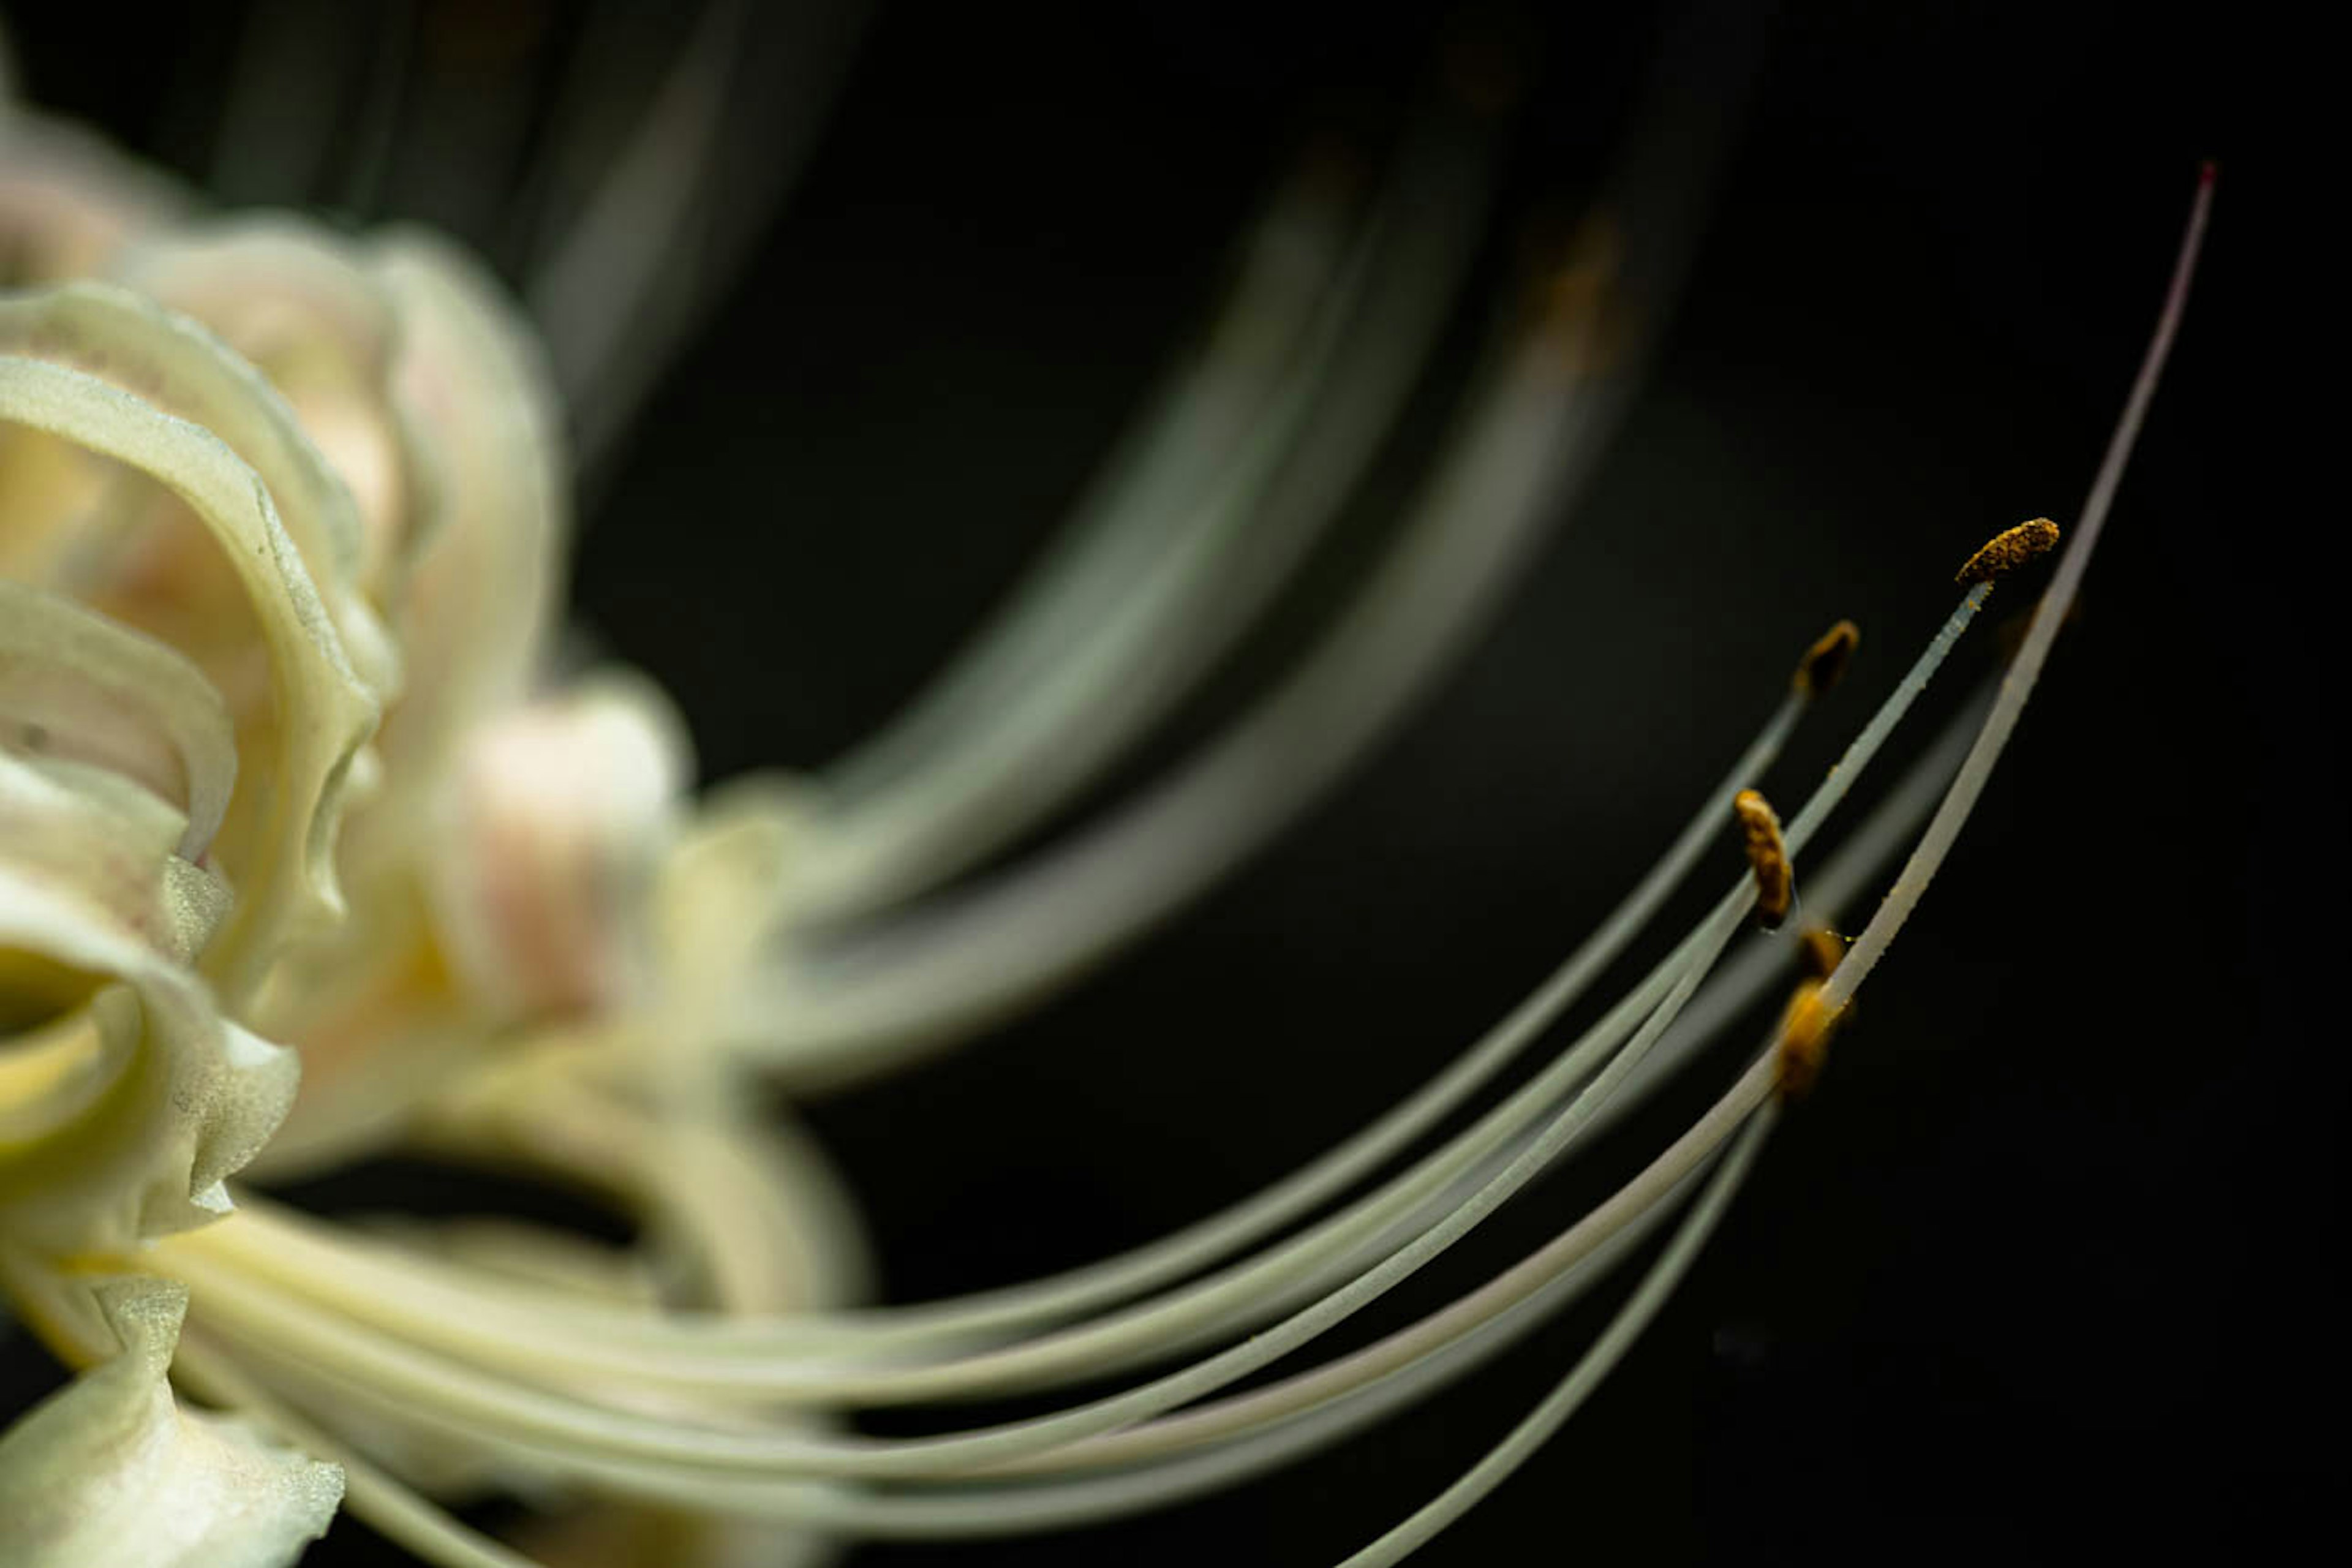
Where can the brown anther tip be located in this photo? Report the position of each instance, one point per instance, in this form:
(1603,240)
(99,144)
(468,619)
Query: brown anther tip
(1579,326)
(1819,951)
(2009,549)
(1767,858)
(1824,663)
(1804,1045)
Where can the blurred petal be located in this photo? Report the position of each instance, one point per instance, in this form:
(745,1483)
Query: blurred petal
(68,201)
(558,822)
(725,892)
(471,392)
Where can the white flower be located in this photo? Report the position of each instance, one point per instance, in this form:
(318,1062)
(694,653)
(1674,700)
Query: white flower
(281,760)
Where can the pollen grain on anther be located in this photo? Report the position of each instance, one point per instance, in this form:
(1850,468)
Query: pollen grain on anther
(2007,551)
(1804,1044)
(1824,663)
(1768,857)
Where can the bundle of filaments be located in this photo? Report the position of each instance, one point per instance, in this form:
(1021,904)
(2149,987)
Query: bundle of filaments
(284,773)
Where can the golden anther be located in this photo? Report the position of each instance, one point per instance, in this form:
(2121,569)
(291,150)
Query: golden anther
(2008,551)
(1819,951)
(1804,1047)
(1766,855)
(1580,329)
(1825,661)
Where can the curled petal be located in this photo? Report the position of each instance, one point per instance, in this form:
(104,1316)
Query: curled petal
(538,911)
(104,844)
(300,305)
(472,395)
(559,818)
(127,1102)
(75,685)
(109,1472)
(723,897)
(176,366)
(299,742)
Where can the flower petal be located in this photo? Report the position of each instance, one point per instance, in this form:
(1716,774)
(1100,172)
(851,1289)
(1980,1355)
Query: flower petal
(109,1472)
(471,392)
(298,303)
(125,1106)
(76,685)
(279,840)
(558,822)
(68,201)
(179,367)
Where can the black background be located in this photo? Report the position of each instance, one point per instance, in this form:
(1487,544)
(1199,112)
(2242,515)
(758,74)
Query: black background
(2041,1268)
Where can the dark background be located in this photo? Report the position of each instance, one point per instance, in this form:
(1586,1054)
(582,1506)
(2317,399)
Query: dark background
(2042,1266)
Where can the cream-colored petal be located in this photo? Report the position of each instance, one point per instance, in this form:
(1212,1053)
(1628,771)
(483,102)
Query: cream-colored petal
(76,685)
(106,843)
(129,1099)
(469,388)
(178,366)
(279,843)
(725,890)
(110,1472)
(296,300)
(559,817)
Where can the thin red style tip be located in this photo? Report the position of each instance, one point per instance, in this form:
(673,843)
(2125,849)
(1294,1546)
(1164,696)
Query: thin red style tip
(2207,172)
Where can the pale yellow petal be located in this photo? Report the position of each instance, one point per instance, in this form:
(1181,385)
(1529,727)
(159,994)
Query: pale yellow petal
(75,685)
(296,300)
(110,1472)
(278,839)
(126,1098)
(484,469)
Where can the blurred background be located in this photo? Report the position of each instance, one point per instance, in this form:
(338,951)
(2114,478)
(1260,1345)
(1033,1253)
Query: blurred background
(2049,1243)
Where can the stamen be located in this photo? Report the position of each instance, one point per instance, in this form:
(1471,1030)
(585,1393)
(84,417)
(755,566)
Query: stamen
(1522,441)
(1595,1365)
(1818,951)
(2007,551)
(1824,663)
(2011,634)
(428,1301)
(2026,669)
(1804,1045)
(1182,547)
(1768,857)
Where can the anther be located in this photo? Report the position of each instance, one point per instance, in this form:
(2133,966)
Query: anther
(1825,661)
(1819,951)
(2008,551)
(1766,855)
(1804,1045)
